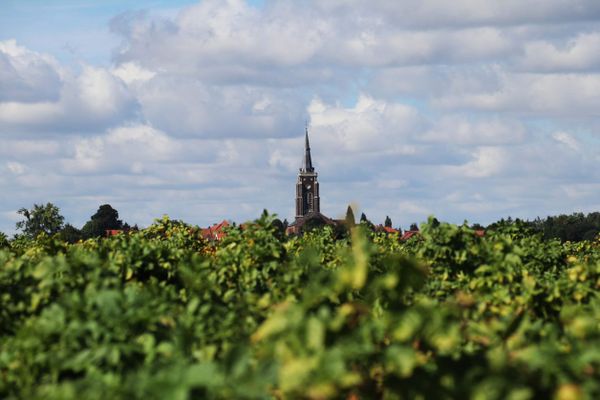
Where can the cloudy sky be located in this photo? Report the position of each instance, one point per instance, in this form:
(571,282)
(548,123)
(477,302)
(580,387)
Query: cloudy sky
(466,109)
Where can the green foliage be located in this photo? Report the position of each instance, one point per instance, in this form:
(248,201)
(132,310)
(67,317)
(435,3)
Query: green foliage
(106,218)
(313,222)
(40,219)
(574,228)
(279,227)
(161,313)
(3,240)
(70,234)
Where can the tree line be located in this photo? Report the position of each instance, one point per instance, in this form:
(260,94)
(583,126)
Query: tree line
(47,219)
(575,227)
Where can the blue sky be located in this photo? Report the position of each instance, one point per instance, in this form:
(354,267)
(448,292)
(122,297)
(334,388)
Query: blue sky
(76,30)
(471,109)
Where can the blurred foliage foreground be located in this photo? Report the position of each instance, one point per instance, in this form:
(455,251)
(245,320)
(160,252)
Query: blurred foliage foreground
(162,314)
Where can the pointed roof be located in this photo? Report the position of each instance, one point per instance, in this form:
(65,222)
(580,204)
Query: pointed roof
(307,162)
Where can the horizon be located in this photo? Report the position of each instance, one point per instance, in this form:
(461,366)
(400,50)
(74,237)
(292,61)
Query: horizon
(470,111)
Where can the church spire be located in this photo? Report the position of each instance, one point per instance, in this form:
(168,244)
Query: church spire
(307,164)
(307,186)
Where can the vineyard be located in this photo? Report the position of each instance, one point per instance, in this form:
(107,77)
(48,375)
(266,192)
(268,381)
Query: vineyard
(163,314)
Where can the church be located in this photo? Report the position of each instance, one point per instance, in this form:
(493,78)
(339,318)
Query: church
(308,199)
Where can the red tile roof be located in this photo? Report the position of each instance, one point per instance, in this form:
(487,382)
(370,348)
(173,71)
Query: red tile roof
(388,229)
(408,234)
(215,232)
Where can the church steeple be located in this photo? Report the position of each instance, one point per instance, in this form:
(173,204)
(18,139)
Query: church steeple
(307,163)
(307,185)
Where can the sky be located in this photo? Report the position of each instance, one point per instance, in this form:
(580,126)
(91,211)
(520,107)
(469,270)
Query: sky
(467,110)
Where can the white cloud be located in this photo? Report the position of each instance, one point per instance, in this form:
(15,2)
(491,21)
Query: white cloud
(286,44)
(581,53)
(15,167)
(92,100)
(442,13)
(27,76)
(566,139)
(390,47)
(552,95)
(391,183)
(371,125)
(37,148)
(187,107)
(100,94)
(122,148)
(132,73)
(581,191)
(469,131)
(412,207)
(486,162)
(214,34)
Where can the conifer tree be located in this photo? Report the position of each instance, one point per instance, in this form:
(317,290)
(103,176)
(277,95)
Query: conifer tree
(388,222)
(350,221)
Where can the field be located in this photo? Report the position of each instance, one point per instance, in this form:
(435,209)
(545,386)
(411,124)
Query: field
(163,314)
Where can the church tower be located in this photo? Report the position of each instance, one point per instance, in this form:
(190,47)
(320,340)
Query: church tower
(307,186)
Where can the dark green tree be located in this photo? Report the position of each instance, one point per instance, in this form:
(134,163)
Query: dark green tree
(349,219)
(388,222)
(106,218)
(70,234)
(574,227)
(365,221)
(279,228)
(3,240)
(414,227)
(40,219)
(312,222)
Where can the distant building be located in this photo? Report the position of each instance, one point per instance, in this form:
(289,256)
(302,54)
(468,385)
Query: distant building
(409,234)
(308,199)
(387,229)
(307,186)
(113,232)
(215,232)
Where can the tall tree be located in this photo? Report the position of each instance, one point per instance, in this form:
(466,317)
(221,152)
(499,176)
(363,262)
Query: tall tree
(350,221)
(365,221)
(3,240)
(279,228)
(40,219)
(388,222)
(106,218)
